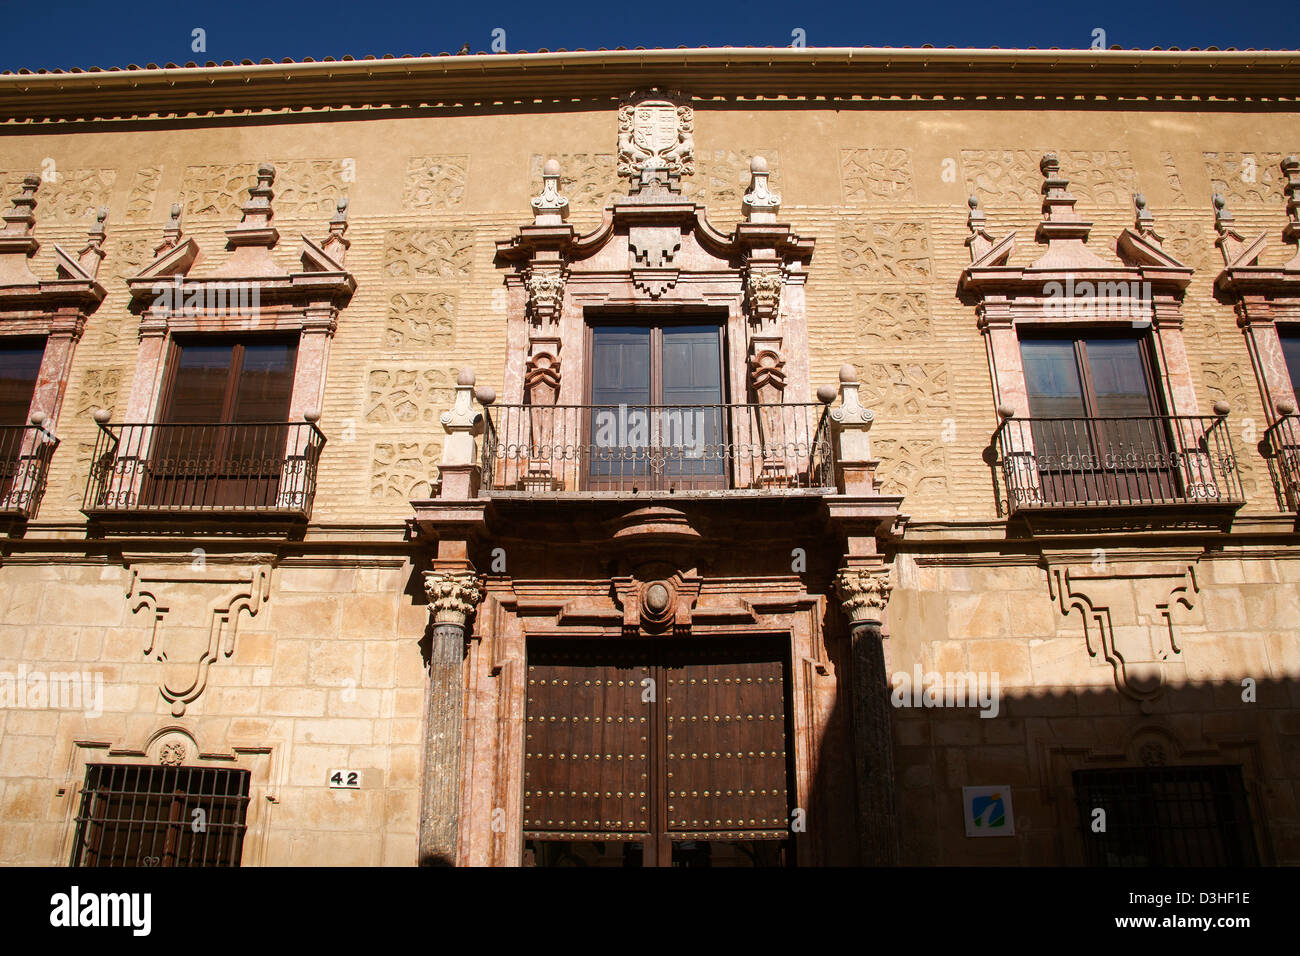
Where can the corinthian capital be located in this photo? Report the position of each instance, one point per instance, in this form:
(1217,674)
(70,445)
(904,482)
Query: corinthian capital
(453,595)
(863,593)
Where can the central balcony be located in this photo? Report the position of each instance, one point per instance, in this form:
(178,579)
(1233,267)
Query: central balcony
(1140,463)
(259,469)
(1282,451)
(652,451)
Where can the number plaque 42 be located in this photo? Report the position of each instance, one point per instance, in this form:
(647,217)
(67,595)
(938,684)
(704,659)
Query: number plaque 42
(345,779)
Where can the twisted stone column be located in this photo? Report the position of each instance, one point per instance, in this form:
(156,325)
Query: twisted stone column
(864,593)
(453,596)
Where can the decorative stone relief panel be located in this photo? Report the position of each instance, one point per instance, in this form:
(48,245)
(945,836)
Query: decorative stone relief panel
(100,388)
(420,321)
(443,253)
(407,396)
(1246,178)
(1192,244)
(303,188)
(1229,382)
(875,174)
(74,194)
(722,176)
(886,251)
(435,182)
(912,466)
(402,470)
(1011,176)
(892,318)
(588,180)
(1173,180)
(75,492)
(905,391)
(194,614)
(144,189)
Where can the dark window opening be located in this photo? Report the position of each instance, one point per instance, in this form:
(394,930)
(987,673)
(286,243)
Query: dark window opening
(658,409)
(1166,816)
(135,815)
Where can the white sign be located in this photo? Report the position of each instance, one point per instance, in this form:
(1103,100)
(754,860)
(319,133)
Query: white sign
(988,811)
(345,780)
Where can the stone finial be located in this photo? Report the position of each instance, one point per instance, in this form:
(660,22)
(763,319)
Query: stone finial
(1291,188)
(1231,244)
(549,207)
(760,204)
(459,469)
(336,244)
(1058,202)
(453,595)
(17,239)
(1145,222)
(852,420)
(171,232)
(21,219)
(92,253)
(863,593)
(979,241)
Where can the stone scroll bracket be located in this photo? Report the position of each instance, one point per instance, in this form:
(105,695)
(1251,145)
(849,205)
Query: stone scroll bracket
(1128,605)
(194,614)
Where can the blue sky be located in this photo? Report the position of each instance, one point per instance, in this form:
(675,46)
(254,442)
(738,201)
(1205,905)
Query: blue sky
(118,32)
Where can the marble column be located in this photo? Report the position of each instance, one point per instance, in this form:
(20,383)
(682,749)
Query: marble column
(453,595)
(863,592)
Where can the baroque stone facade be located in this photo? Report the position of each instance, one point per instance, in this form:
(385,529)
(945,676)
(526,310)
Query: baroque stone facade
(860,268)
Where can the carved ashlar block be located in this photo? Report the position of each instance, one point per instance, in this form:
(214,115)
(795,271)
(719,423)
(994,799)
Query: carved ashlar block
(764,287)
(194,612)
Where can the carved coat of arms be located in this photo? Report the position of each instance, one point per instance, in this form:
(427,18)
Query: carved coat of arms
(655,132)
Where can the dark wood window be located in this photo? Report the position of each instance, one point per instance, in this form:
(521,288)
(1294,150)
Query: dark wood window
(1098,430)
(1290,337)
(20,363)
(665,752)
(1166,816)
(135,815)
(240,388)
(658,409)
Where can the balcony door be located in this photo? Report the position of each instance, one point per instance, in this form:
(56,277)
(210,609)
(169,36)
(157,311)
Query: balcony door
(20,364)
(221,437)
(1097,428)
(658,413)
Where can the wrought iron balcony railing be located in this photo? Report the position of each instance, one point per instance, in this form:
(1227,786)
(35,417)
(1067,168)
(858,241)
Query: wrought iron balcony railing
(650,450)
(1077,463)
(1282,451)
(256,468)
(25,453)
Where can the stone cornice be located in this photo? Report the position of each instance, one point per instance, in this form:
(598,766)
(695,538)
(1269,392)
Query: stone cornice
(1212,79)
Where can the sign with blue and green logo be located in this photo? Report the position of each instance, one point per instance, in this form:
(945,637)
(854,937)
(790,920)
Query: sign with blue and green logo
(988,811)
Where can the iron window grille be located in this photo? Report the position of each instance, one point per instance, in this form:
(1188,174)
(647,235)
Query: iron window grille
(135,815)
(1166,816)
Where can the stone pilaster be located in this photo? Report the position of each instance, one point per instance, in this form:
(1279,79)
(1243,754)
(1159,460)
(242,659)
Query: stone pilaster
(863,593)
(453,595)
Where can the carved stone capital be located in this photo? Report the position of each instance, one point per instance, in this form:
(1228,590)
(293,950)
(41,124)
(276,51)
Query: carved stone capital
(764,287)
(453,595)
(545,293)
(863,593)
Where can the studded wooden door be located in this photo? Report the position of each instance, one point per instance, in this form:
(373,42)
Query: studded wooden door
(665,752)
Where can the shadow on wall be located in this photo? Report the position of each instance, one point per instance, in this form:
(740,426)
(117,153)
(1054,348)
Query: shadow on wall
(1208,776)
